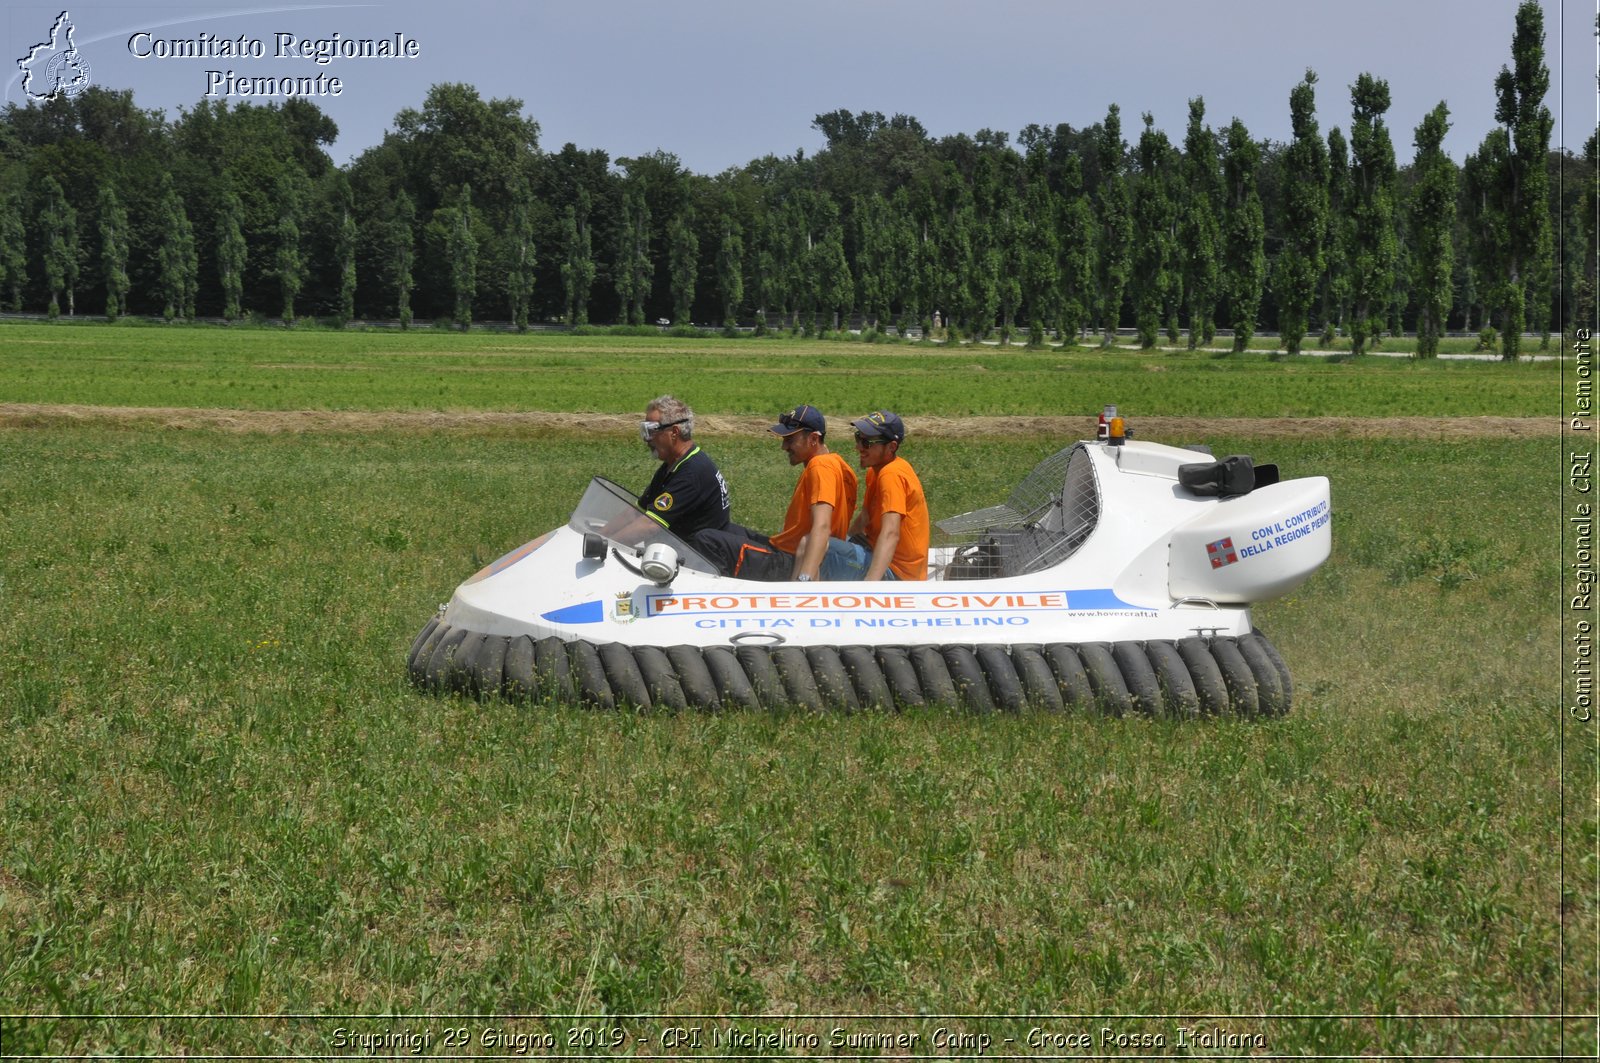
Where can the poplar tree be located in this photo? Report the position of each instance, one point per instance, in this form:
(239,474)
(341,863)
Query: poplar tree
(177,262)
(1433,219)
(730,268)
(73,260)
(1373,246)
(1404,263)
(1487,226)
(569,244)
(401,254)
(904,261)
(344,251)
(1115,225)
(1154,221)
(927,280)
(1078,265)
(189,265)
(520,256)
(1244,262)
(113,250)
(231,254)
(1304,217)
(763,266)
(683,265)
(783,238)
(984,266)
(58,222)
(1524,182)
(835,285)
(1041,269)
(1200,237)
(829,284)
(577,272)
(885,259)
(954,237)
(1336,242)
(632,269)
(289,265)
(805,283)
(871,231)
(1006,230)
(461,245)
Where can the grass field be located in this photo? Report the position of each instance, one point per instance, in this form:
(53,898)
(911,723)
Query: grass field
(273,369)
(224,800)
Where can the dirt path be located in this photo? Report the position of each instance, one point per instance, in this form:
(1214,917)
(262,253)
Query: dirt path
(36,415)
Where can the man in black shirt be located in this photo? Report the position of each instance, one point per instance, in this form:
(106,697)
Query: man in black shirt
(687,492)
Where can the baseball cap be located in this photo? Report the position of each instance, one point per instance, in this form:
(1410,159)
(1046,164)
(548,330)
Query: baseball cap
(800,419)
(881,424)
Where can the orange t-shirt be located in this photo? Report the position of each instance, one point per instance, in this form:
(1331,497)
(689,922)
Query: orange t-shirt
(825,478)
(894,488)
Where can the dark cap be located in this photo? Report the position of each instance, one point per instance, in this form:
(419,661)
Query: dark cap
(881,424)
(800,419)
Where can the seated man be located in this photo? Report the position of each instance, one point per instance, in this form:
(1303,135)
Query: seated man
(822,504)
(687,492)
(889,537)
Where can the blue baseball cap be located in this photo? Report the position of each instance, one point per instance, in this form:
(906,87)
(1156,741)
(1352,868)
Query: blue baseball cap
(800,419)
(881,424)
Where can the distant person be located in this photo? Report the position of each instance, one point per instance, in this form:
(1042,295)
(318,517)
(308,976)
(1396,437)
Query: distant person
(821,508)
(687,493)
(889,536)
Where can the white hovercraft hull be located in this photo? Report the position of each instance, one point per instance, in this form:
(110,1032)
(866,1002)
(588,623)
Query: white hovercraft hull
(1132,559)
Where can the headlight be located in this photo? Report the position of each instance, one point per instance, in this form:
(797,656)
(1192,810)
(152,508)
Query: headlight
(659,564)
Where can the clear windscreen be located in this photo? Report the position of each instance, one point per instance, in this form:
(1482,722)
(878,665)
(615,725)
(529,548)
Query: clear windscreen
(612,512)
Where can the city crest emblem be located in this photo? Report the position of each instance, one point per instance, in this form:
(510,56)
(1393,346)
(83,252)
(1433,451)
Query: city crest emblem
(622,608)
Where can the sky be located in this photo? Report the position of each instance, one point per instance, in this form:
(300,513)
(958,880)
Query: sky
(719,83)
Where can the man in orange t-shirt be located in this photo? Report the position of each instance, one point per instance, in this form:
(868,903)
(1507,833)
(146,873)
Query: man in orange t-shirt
(821,507)
(889,537)
(824,501)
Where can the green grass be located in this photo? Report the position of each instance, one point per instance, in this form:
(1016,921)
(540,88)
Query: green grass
(223,798)
(1392,345)
(274,369)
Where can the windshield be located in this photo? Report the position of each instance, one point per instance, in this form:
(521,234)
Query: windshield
(609,510)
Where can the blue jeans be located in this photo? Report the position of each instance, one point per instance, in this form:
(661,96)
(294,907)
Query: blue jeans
(846,560)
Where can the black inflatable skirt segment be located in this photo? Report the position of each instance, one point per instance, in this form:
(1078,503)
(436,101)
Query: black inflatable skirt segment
(1190,679)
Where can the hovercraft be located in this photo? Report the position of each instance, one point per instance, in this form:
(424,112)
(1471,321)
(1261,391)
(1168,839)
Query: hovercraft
(1117,578)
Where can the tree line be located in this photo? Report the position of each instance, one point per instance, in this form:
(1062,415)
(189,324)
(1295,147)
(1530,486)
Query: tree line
(1067,233)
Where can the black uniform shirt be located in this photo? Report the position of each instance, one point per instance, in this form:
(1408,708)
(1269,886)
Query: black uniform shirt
(688,496)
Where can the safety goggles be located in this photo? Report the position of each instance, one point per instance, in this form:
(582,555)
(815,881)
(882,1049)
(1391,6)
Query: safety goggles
(650,428)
